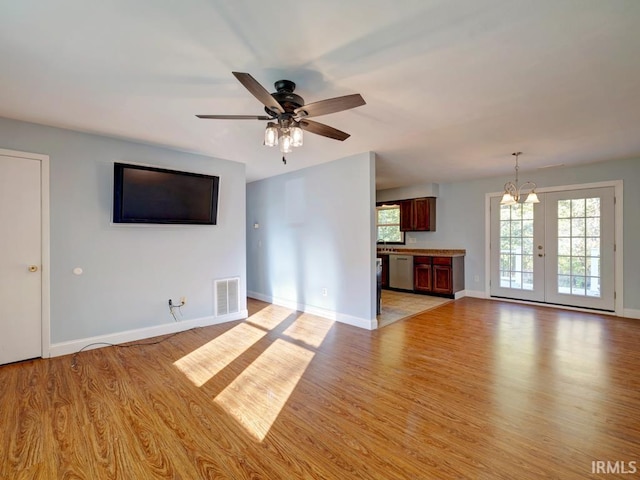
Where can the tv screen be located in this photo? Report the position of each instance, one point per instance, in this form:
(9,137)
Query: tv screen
(155,195)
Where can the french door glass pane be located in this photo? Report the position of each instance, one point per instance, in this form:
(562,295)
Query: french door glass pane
(516,246)
(579,247)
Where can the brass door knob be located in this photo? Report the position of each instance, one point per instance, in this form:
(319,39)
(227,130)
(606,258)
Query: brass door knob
(33,268)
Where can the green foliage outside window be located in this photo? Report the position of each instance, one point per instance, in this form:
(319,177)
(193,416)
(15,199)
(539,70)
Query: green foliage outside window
(388,224)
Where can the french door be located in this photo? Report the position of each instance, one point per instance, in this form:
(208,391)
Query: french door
(559,251)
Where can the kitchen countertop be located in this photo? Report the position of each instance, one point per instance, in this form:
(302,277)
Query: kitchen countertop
(431,252)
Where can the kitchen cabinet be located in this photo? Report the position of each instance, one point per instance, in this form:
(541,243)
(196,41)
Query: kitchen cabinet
(422,274)
(442,275)
(385,270)
(438,275)
(418,215)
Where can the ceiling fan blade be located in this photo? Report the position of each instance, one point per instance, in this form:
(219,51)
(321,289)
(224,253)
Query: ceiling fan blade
(324,130)
(331,105)
(258,91)
(235,117)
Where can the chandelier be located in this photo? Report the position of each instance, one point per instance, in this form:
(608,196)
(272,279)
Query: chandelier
(514,194)
(286,133)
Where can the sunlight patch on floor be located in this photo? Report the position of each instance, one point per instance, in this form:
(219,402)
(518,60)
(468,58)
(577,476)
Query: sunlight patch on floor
(309,329)
(205,362)
(256,397)
(270,317)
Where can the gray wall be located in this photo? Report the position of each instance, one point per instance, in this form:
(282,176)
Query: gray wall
(316,230)
(461,217)
(129,271)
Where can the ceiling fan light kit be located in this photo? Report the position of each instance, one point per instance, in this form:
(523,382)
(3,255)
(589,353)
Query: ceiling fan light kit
(514,194)
(288,114)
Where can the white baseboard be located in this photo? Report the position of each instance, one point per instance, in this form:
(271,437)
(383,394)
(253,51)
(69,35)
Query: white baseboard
(65,348)
(631,313)
(371,324)
(472,293)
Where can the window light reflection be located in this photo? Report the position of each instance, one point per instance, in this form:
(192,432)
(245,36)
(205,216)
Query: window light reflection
(205,362)
(256,397)
(309,329)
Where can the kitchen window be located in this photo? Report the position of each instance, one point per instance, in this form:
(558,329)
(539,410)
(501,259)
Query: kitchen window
(388,224)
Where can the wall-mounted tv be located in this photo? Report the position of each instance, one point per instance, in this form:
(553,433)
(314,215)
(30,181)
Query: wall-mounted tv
(155,195)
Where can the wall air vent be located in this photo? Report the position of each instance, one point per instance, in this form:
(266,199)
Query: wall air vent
(226,295)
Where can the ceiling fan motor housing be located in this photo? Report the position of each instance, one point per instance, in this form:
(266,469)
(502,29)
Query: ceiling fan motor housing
(285,97)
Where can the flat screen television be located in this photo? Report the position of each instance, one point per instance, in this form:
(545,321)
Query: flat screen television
(159,196)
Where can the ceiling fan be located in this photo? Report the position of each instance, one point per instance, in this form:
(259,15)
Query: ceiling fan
(288,115)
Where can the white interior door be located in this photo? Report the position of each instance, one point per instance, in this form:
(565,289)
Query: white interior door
(559,251)
(20,259)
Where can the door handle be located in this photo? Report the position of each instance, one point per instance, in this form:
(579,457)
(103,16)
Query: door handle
(33,268)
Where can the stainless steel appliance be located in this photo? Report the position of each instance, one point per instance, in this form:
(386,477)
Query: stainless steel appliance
(401,271)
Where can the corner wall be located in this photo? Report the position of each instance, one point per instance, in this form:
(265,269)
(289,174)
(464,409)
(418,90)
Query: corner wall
(130,271)
(316,231)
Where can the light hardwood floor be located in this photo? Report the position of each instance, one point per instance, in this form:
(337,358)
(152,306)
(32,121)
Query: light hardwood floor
(472,389)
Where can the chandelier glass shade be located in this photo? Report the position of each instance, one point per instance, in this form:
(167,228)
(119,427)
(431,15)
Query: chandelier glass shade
(286,134)
(514,194)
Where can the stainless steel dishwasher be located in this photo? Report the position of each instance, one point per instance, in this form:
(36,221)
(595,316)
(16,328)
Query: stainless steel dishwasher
(401,271)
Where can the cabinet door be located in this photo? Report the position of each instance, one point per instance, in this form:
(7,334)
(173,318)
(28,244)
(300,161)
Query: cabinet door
(406,215)
(421,210)
(442,279)
(418,215)
(422,278)
(385,270)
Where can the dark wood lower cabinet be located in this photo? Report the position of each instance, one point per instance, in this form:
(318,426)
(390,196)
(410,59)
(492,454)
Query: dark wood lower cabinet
(441,276)
(442,281)
(385,270)
(438,275)
(422,274)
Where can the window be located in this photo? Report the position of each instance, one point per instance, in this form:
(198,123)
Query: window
(388,224)
(579,246)
(516,246)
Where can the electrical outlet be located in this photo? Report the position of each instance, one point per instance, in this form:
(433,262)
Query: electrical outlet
(324,292)
(476,278)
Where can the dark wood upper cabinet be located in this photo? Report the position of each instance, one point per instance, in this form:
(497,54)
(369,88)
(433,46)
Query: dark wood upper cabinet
(418,215)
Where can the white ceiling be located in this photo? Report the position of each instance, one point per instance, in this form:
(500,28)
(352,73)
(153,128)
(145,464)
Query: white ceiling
(452,87)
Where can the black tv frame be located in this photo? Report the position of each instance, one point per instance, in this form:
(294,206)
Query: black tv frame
(121,195)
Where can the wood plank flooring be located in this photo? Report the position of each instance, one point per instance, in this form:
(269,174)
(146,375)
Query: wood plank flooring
(472,389)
